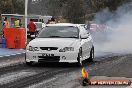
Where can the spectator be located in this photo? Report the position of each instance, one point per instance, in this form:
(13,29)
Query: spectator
(52,21)
(48,22)
(6,23)
(17,23)
(32,28)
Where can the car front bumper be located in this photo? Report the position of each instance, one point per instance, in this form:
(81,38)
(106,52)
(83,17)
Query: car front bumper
(68,57)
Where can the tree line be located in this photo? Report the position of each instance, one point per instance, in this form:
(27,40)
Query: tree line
(12,6)
(76,11)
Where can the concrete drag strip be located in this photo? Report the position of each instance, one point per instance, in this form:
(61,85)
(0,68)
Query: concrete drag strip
(62,80)
(41,84)
(129,86)
(71,81)
(108,69)
(4,64)
(4,79)
(11,61)
(35,78)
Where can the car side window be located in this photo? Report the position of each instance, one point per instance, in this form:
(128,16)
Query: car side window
(84,31)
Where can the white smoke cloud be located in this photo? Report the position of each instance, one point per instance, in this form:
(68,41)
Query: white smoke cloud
(118,38)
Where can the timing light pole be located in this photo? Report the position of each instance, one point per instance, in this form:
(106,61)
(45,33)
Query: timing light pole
(26,6)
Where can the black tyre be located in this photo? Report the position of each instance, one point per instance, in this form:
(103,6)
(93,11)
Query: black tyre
(91,55)
(79,63)
(29,63)
(85,82)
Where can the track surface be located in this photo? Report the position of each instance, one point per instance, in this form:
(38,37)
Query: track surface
(19,75)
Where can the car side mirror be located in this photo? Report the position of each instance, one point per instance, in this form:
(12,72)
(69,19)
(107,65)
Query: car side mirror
(84,36)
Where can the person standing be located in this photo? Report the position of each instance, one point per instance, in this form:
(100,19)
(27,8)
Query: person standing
(32,28)
(51,21)
(17,23)
(6,23)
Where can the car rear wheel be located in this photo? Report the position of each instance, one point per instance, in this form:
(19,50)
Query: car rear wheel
(79,63)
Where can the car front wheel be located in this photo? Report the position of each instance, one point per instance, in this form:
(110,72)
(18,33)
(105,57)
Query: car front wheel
(91,55)
(79,63)
(29,63)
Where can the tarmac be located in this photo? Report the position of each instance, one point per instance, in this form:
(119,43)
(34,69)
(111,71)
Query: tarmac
(4,52)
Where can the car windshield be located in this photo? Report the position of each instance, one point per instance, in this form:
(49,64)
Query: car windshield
(59,32)
(39,25)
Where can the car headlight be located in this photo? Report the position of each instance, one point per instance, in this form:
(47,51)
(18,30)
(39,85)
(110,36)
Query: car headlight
(33,48)
(66,49)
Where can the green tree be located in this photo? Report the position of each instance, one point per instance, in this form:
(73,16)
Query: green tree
(75,11)
(11,6)
(98,5)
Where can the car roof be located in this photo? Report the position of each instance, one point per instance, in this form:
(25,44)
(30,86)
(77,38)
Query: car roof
(63,24)
(38,22)
(81,24)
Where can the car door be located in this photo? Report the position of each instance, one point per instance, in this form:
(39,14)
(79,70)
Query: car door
(85,43)
(90,42)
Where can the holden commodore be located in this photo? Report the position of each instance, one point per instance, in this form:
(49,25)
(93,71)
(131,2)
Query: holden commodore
(61,42)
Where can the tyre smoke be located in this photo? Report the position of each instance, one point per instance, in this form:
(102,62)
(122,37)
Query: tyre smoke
(117,37)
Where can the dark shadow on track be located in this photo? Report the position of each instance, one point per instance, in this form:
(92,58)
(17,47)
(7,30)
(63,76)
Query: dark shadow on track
(55,65)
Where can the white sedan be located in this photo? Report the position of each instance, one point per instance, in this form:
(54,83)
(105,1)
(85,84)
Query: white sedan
(61,42)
